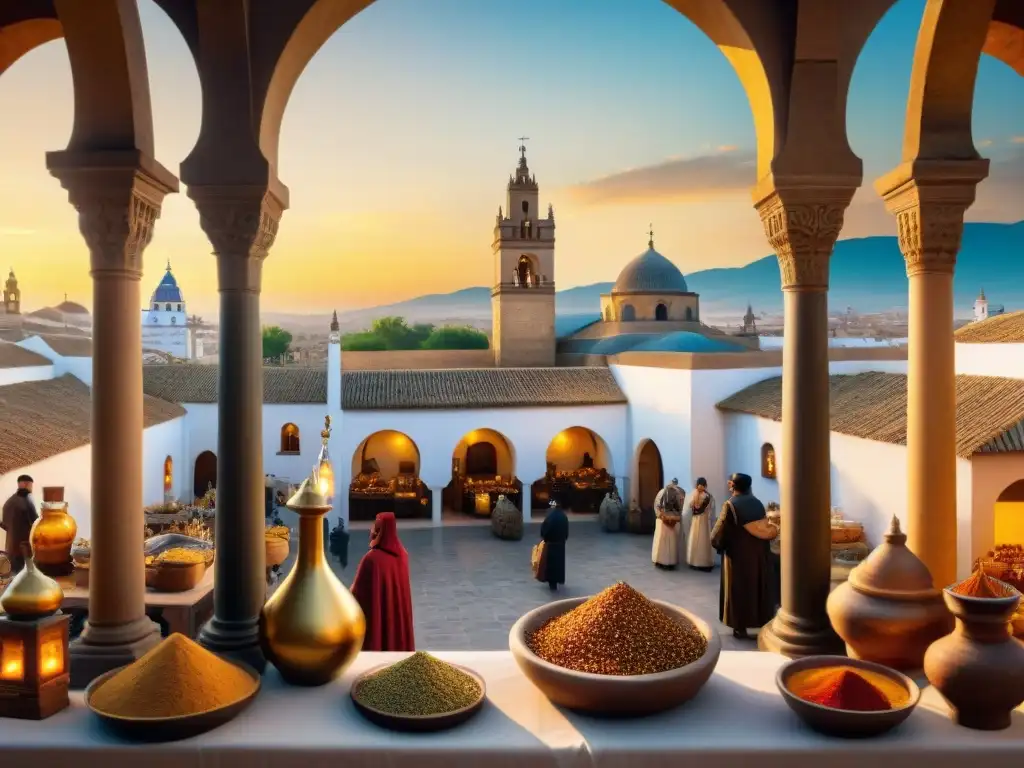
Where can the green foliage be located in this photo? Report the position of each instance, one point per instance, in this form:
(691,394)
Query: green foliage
(276,341)
(393,333)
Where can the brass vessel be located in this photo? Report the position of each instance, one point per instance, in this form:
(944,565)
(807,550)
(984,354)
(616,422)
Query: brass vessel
(31,594)
(312,628)
(53,534)
(888,611)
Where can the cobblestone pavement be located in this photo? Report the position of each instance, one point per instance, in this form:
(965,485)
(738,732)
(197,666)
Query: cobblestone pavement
(469,587)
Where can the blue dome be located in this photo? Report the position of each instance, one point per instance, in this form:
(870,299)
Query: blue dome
(687,341)
(168,290)
(650,272)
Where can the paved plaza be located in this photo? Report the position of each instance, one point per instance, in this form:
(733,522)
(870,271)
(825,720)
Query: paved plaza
(470,587)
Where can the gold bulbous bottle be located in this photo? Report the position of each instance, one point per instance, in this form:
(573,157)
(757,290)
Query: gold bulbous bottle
(31,594)
(311,628)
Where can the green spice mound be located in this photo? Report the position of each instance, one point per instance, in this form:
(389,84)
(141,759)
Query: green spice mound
(418,685)
(618,632)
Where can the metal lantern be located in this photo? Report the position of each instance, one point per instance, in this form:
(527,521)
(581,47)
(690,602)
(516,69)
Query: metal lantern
(324,469)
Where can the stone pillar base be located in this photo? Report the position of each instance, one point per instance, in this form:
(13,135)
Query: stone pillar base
(239,641)
(785,636)
(91,657)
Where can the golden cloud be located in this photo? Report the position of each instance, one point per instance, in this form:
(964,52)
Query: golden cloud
(728,172)
(1017,139)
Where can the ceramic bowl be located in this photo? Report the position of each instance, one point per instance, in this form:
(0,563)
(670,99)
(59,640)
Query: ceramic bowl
(612,695)
(842,722)
(418,723)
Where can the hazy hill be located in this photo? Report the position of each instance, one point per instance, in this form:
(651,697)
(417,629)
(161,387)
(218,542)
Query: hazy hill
(867,274)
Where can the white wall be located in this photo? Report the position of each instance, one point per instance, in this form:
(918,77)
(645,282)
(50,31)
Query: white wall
(80,367)
(172,339)
(1006,360)
(25,373)
(776,342)
(159,442)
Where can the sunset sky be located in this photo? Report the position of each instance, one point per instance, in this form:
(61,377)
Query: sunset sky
(400,135)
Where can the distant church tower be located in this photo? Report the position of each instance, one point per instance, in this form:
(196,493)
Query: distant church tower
(981,307)
(523,296)
(12,295)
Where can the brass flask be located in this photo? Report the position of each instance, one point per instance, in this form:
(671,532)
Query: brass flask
(312,627)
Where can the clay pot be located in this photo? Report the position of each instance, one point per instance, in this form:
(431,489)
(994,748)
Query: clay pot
(979,668)
(174,577)
(277,550)
(888,611)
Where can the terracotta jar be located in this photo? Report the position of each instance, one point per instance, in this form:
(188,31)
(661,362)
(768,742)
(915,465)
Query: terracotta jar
(53,534)
(888,610)
(979,668)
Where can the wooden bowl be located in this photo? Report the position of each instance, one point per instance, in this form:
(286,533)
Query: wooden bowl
(612,695)
(419,723)
(174,577)
(159,729)
(846,723)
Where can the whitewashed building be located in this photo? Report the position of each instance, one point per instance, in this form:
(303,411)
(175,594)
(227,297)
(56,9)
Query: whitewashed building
(165,322)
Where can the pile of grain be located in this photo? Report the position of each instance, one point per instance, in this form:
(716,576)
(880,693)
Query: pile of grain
(419,685)
(618,632)
(177,678)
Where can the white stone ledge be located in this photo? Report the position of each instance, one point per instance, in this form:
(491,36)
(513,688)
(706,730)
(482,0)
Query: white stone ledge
(738,721)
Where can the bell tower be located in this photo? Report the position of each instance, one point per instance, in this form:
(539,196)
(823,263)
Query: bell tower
(523,292)
(12,295)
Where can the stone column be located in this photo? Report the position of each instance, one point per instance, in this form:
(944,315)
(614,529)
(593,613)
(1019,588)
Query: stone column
(241,223)
(118,197)
(437,512)
(802,225)
(929,200)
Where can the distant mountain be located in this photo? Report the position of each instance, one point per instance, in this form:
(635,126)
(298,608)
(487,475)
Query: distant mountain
(867,274)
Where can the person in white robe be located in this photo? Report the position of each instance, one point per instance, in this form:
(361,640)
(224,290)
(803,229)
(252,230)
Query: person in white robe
(700,555)
(668,508)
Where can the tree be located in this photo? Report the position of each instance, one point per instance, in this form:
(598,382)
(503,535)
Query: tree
(394,332)
(456,337)
(276,341)
(362,341)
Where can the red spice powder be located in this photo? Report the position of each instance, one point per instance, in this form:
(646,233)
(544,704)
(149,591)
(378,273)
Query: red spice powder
(845,689)
(979,584)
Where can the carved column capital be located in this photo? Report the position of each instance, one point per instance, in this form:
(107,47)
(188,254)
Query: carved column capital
(802,225)
(929,201)
(241,223)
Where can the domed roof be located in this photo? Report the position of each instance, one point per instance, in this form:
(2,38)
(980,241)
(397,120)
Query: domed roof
(650,272)
(71,308)
(688,341)
(168,289)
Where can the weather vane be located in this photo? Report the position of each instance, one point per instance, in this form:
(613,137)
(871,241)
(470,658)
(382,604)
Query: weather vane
(522,144)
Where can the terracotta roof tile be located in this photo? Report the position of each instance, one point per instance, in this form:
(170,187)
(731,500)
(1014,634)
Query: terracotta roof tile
(1000,329)
(197,383)
(40,419)
(68,346)
(989,413)
(13,356)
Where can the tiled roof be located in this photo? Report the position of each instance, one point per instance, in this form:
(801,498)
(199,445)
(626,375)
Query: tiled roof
(1001,329)
(68,346)
(479,388)
(40,419)
(13,356)
(398,389)
(197,383)
(989,410)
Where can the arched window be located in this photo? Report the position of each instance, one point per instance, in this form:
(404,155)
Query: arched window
(526,208)
(168,474)
(628,313)
(769,468)
(156,307)
(608,315)
(289,438)
(525,270)
(689,314)
(167,308)
(179,307)
(661,312)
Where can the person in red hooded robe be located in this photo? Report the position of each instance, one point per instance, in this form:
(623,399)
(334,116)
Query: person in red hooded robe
(384,590)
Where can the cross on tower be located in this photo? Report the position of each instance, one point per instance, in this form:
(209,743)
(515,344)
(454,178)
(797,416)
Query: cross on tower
(650,235)
(522,145)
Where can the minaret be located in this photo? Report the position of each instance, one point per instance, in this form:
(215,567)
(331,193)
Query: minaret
(334,368)
(12,295)
(749,321)
(523,292)
(981,307)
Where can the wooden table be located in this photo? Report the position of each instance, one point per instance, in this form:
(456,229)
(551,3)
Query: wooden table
(183,612)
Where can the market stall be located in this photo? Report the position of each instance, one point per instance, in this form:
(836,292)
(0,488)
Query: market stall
(371,493)
(578,475)
(483,468)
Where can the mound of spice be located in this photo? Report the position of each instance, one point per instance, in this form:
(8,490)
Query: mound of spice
(980,584)
(848,688)
(177,678)
(419,685)
(618,632)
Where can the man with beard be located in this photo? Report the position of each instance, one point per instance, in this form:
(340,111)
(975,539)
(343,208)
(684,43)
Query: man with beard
(19,515)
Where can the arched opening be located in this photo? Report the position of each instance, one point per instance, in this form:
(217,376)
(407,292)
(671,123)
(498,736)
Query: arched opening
(628,313)
(689,314)
(168,475)
(524,271)
(1008,523)
(661,312)
(205,475)
(579,471)
(650,475)
(483,468)
(290,439)
(386,478)
(769,468)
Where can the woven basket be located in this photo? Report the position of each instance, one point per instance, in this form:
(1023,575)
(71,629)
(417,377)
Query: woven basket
(847,534)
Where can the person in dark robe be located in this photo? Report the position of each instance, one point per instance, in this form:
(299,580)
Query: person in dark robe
(745,596)
(384,590)
(555,532)
(18,516)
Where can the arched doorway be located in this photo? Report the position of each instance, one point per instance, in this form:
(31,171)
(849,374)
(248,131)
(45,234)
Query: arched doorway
(579,471)
(205,475)
(661,312)
(1009,515)
(650,474)
(483,468)
(524,272)
(628,313)
(386,478)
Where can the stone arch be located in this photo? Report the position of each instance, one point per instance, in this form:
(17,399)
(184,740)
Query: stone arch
(649,474)
(483,468)
(580,471)
(661,311)
(205,474)
(290,438)
(1008,515)
(390,449)
(386,478)
(769,465)
(627,313)
(526,269)
(1005,37)
(25,26)
(744,32)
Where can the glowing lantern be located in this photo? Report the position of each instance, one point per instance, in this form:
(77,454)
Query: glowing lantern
(325,471)
(34,675)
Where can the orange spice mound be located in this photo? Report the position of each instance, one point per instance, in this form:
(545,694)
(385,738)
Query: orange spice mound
(979,584)
(177,678)
(846,688)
